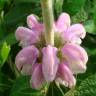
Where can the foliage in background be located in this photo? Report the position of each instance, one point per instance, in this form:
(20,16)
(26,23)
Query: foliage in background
(13,13)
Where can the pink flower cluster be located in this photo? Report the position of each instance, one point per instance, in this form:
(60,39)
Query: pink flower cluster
(47,63)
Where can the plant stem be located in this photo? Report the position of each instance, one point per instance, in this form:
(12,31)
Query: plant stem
(60,89)
(48,18)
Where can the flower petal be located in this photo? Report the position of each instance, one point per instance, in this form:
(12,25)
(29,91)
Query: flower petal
(37,79)
(63,22)
(74,33)
(34,24)
(26,69)
(26,58)
(26,36)
(65,76)
(76,57)
(50,62)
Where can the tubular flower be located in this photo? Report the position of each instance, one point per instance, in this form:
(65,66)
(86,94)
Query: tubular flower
(47,63)
(50,62)
(65,76)
(37,79)
(63,22)
(31,35)
(26,36)
(76,57)
(69,33)
(26,58)
(34,25)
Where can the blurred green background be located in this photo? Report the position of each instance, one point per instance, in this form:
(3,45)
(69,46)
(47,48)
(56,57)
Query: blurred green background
(13,13)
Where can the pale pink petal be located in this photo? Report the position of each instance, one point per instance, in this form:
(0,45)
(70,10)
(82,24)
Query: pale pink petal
(33,67)
(26,58)
(33,24)
(75,40)
(50,62)
(76,57)
(63,22)
(26,36)
(32,21)
(26,69)
(77,29)
(65,76)
(74,34)
(37,79)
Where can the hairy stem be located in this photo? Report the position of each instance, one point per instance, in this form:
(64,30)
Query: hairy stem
(47,12)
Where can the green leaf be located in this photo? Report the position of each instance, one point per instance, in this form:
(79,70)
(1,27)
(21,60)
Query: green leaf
(73,6)
(27,1)
(2,30)
(22,87)
(10,39)
(80,16)
(70,92)
(2,2)
(54,90)
(58,6)
(87,87)
(4,53)
(17,15)
(5,84)
(90,27)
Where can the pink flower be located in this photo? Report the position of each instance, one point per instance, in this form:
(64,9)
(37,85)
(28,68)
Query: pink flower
(63,22)
(31,35)
(34,25)
(76,57)
(26,36)
(37,79)
(73,62)
(71,34)
(26,58)
(65,76)
(50,62)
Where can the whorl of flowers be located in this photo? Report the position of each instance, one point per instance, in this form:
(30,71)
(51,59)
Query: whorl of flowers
(47,63)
